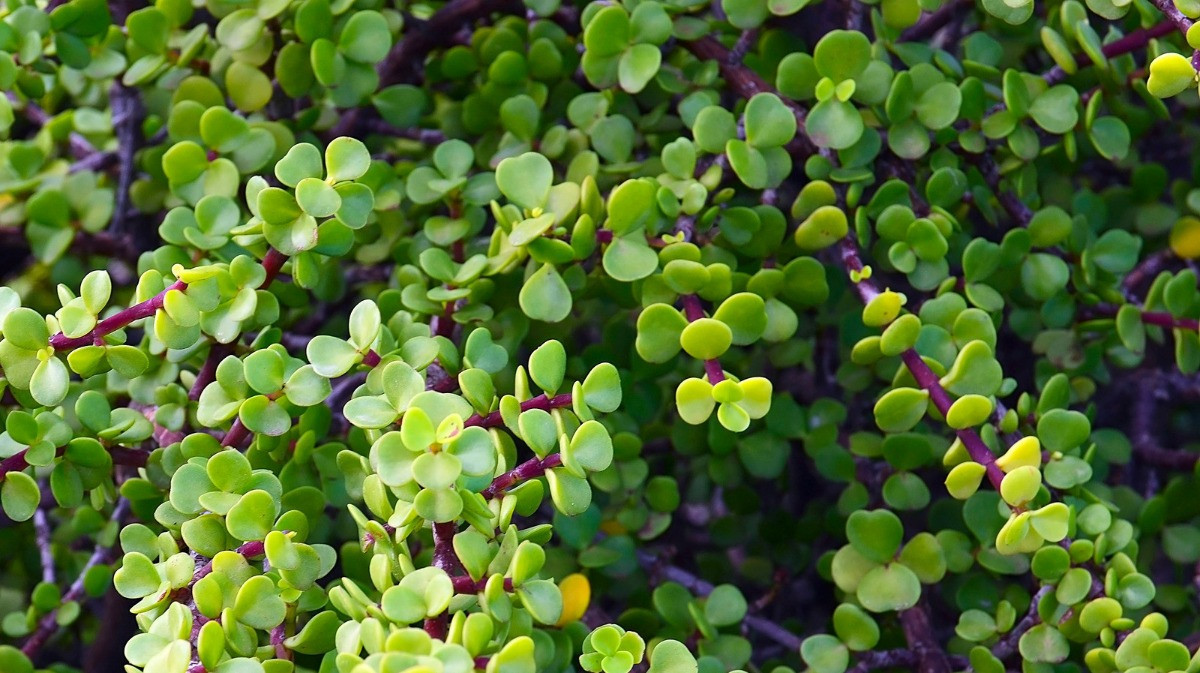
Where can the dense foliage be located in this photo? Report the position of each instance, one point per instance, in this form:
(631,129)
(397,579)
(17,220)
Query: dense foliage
(360,336)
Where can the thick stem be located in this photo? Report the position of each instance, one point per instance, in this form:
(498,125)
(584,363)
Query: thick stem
(61,342)
(273,262)
(278,635)
(1007,646)
(530,469)
(248,550)
(465,584)
(208,373)
(444,558)
(931,658)
(237,435)
(542,402)
(1162,319)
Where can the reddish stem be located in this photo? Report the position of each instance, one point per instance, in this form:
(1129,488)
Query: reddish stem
(1162,319)
(443,325)
(273,262)
(694,312)
(248,551)
(61,342)
(530,469)
(495,419)
(208,373)
(237,435)
(465,584)
(278,635)
(120,456)
(928,381)
(444,558)
(370,358)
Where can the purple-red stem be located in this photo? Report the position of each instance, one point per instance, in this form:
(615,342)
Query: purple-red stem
(1161,319)
(693,311)
(465,584)
(495,418)
(62,342)
(278,635)
(120,456)
(248,551)
(928,381)
(237,435)
(370,358)
(530,469)
(444,558)
(208,373)
(273,262)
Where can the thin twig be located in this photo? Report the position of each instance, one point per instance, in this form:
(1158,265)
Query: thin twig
(48,624)
(652,563)
(41,528)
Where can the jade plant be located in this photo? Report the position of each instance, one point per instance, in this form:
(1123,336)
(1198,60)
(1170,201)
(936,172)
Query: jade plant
(357,336)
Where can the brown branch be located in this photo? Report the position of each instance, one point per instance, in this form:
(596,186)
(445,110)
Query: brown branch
(746,83)
(1007,645)
(405,59)
(653,565)
(48,625)
(81,147)
(930,24)
(930,656)
(127,114)
(42,533)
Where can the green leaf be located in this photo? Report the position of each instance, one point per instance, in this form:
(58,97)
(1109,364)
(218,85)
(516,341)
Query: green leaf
(346,159)
(672,656)
(1055,109)
(545,295)
(253,516)
(637,66)
(1044,643)
(525,180)
(258,604)
(1170,74)
(19,496)
(900,409)
(301,161)
(875,534)
(825,654)
(889,587)
(769,122)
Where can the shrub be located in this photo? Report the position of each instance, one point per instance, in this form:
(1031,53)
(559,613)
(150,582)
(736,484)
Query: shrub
(351,336)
